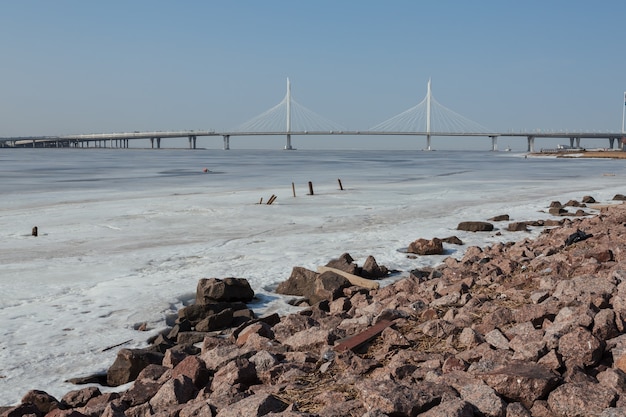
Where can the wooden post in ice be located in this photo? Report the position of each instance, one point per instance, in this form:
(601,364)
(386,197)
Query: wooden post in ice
(293,189)
(310,188)
(340,186)
(35,231)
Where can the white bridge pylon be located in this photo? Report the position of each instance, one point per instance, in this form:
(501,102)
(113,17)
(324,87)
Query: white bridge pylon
(286,117)
(428,118)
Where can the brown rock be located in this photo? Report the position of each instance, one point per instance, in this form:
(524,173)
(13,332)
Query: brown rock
(484,399)
(96,405)
(210,290)
(79,398)
(454,407)
(41,399)
(524,382)
(402,400)
(260,328)
(254,406)
(238,371)
(291,324)
(197,312)
(174,391)
(453,240)
(475,226)
(129,363)
(614,379)
(219,356)
(152,372)
(499,218)
(174,356)
(344,263)
(310,339)
(517,410)
(328,286)
(372,270)
(198,409)
(141,392)
(300,282)
(190,338)
(557,211)
(453,364)
(581,347)
(518,227)
(581,399)
(217,321)
(426,247)
(438,328)
(193,368)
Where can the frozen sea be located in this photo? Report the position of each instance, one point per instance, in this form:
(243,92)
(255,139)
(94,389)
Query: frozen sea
(125,234)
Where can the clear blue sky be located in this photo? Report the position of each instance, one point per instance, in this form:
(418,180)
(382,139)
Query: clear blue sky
(83,66)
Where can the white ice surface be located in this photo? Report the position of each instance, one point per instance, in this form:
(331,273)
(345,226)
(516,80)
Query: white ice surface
(124,235)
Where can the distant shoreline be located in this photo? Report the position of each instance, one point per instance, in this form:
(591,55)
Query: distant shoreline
(611,154)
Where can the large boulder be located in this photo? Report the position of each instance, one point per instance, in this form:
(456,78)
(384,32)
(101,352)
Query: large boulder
(129,363)
(393,398)
(42,400)
(345,263)
(520,381)
(372,270)
(313,286)
(472,226)
(581,399)
(426,247)
(210,290)
(299,282)
(328,286)
(195,313)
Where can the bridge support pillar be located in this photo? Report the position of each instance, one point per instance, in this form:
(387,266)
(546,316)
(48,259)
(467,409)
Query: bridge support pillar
(152,143)
(611,143)
(574,142)
(33,143)
(428,143)
(158,140)
(531,144)
(288,145)
(192,142)
(226,142)
(494,143)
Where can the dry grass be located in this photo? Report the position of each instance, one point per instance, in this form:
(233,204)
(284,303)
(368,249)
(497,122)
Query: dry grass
(311,387)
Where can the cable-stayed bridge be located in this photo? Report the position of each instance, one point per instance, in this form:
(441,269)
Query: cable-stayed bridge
(289,118)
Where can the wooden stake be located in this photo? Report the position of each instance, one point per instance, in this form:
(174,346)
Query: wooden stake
(340,186)
(310,188)
(354,279)
(293,189)
(261,200)
(272,199)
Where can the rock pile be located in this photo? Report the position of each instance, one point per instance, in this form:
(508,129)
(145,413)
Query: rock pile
(531,328)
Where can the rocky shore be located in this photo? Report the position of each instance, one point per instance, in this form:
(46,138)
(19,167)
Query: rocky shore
(527,328)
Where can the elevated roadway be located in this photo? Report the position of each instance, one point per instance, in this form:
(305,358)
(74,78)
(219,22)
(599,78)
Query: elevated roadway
(122,139)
